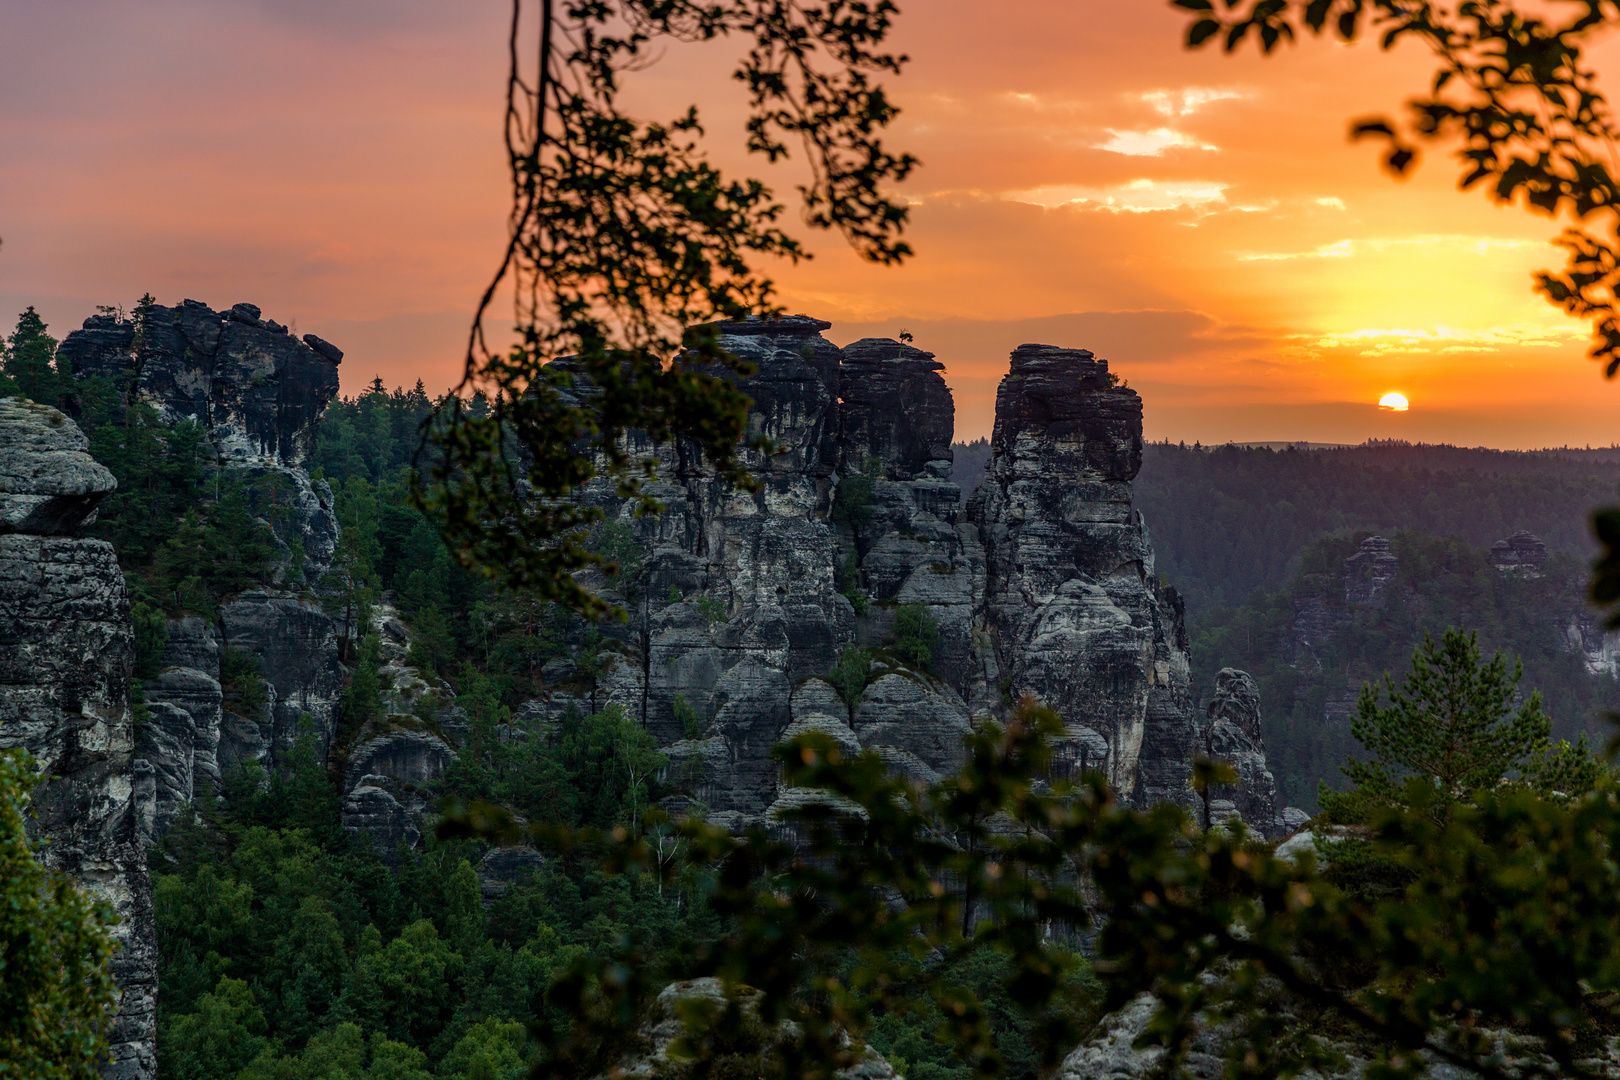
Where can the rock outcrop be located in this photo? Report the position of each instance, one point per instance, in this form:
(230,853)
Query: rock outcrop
(256,392)
(1523,554)
(66,653)
(739,602)
(1368,572)
(1073,608)
(1232,733)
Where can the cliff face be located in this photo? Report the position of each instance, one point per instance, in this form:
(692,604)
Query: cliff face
(66,652)
(1074,611)
(739,603)
(257,393)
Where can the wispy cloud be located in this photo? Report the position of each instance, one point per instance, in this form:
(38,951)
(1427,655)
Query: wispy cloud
(1134,197)
(1340,249)
(1151,143)
(1188,99)
(1387,341)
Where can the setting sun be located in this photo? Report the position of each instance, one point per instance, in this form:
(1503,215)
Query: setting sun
(1393,402)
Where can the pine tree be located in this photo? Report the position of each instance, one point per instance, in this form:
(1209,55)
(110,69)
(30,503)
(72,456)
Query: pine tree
(1452,724)
(29,363)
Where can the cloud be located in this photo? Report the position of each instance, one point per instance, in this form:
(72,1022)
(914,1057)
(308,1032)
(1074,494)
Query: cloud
(1133,197)
(1330,201)
(1340,249)
(1189,99)
(1376,341)
(1150,143)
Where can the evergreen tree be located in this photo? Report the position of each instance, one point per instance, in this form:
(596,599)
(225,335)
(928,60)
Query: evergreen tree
(1452,725)
(29,366)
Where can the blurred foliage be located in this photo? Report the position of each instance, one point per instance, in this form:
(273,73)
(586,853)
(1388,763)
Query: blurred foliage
(54,949)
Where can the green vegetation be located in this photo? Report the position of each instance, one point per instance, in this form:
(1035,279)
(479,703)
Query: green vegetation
(916,635)
(1307,695)
(1229,520)
(851,674)
(54,949)
(628,247)
(853,499)
(1452,726)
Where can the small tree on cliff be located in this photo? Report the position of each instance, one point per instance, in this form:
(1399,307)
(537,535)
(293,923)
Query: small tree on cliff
(623,238)
(56,995)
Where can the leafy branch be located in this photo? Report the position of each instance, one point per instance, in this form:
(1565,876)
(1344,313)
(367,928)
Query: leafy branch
(626,248)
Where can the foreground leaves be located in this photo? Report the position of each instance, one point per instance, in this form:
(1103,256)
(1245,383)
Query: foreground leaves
(1502,948)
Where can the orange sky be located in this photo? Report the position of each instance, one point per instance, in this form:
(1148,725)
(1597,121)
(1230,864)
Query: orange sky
(1200,220)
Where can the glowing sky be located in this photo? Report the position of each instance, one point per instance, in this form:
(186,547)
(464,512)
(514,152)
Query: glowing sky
(1200,220)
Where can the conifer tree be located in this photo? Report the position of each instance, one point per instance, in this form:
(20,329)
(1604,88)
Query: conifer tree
(1452,724)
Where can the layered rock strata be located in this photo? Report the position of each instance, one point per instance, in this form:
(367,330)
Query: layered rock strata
(1232,733)
(256,392)
(66,653)
(1073,610)
(739,602)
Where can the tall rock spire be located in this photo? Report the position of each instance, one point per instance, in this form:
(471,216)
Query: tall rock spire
(1073,611)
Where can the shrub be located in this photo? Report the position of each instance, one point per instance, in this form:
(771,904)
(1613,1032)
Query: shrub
(916,635)
(851,674)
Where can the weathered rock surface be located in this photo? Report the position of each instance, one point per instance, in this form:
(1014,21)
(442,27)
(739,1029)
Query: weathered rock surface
(49,483)
(1044,585)
(1073,608)
(1368,572)
(392,769)
(66,653)
(256,392)
(895,408)
(256,389)
(1523,554)
(1232,733)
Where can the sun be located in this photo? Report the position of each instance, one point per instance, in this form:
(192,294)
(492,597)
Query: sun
(1393,402)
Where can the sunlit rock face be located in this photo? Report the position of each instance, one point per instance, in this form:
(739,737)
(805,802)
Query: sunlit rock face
(1074,613)
(66,653)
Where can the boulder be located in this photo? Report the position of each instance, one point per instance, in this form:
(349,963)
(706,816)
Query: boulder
(49,483)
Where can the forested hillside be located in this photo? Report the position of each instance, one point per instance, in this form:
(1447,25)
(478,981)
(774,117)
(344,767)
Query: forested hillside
(1228,520)
(1247,534)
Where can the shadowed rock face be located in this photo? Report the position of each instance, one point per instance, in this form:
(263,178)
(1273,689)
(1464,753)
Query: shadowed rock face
(1045,586)
(256,388)
(257,392)
(66,653)
(1076,615)
(1232,734)
(895,408)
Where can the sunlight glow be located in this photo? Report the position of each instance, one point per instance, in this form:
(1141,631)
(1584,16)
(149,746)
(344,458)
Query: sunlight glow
(1393,402)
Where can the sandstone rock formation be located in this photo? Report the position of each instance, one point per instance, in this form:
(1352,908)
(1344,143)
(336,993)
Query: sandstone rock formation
(66,652)
(739,602)
(1523,554)
(257,393)
(1075,613)
(1232,734)
(396,761)
(1369,571)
